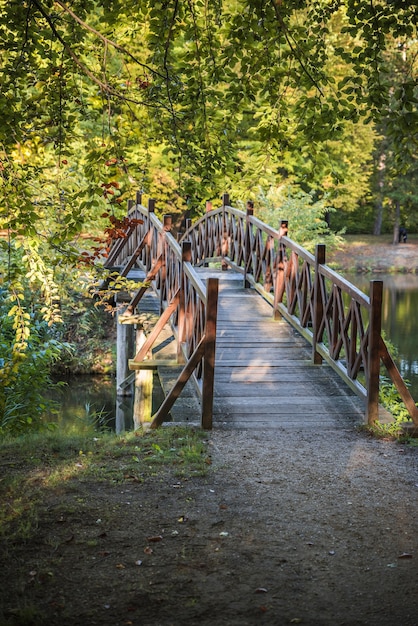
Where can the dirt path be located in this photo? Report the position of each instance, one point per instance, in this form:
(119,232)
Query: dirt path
(287,528)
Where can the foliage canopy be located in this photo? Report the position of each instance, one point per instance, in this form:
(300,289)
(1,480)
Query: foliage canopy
(184,100)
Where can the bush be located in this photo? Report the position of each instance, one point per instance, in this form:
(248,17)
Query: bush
(306,217)
(25,374)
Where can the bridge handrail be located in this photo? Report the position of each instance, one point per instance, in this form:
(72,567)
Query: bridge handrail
(185,301)
(308,293)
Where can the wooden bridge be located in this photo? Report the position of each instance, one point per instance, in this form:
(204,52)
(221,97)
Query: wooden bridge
(265,333)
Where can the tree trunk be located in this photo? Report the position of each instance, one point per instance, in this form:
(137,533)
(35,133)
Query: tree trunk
(377,229)
(396,224)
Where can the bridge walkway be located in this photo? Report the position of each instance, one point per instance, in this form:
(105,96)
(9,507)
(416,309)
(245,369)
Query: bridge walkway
(264,375)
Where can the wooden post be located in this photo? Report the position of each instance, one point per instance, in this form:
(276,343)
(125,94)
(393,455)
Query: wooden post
(279,279)
(209,354)
(142,409)
(375,330)
(123,414)
(124,351)
(318,305)
(138,197)
(247,241)
(225,203)
(149,261)
(186,257)
(283,229)
(167,224)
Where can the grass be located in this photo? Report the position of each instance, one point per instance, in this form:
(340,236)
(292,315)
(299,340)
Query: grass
(33,465)
(384,240)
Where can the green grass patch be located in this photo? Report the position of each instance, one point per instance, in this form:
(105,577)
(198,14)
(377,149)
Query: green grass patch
(32,466)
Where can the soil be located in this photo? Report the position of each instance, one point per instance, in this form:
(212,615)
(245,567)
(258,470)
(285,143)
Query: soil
(287,527)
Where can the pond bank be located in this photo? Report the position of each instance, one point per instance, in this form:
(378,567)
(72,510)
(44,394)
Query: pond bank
(368,253)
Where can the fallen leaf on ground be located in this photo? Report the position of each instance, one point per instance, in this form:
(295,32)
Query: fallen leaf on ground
(405,555)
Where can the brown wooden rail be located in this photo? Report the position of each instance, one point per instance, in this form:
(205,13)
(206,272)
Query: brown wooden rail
(185,302)
(342,323)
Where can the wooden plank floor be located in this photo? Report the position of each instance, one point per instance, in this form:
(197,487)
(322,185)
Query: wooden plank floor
(264,376)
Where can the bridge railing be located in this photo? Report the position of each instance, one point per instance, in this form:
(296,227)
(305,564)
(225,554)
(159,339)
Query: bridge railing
(185,301)
(342,324)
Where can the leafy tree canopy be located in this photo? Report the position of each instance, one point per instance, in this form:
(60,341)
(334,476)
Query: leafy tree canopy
(184,100)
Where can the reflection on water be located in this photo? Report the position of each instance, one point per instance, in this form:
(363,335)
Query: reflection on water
(91,400)
(399,318)
(86,401)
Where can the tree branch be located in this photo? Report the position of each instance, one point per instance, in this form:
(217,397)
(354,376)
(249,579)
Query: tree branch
(295,52)
(105,40)
(104,86)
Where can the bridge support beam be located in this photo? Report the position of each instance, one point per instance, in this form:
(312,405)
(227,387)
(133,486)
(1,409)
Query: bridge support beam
(124,351)
(142,410)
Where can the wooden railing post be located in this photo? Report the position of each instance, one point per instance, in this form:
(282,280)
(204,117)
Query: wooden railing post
(186,257)
(375,330)
(167,224)
(247,241)
(149,256)
(138,199)
(209,353)
(318,305)
(279,278)
(224,253)
(284,228)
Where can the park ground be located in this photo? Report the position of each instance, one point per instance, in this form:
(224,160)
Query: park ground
(368,253)
(234,528)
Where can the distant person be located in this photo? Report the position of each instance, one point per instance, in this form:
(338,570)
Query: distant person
(403,235)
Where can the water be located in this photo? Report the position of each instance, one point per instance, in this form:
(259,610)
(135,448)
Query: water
(399,319)
(86,401)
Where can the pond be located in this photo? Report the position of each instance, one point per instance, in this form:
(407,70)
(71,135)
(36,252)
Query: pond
(399,318)
(86,401)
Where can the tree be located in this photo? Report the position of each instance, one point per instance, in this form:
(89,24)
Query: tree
(100,99)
